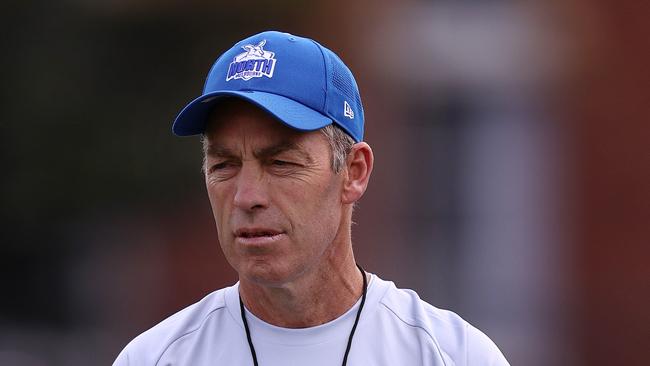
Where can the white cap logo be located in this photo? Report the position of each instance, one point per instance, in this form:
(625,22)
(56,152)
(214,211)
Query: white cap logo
(347,110)
(254,63)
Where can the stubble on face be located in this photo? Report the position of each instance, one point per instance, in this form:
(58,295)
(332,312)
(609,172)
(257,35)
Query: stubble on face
(275,199)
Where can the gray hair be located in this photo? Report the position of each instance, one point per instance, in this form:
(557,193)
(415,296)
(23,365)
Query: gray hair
(340,145)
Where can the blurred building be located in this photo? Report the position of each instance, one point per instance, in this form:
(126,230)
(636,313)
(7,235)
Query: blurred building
(511,181)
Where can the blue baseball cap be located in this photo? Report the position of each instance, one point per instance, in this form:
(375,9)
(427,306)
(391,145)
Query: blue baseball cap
(295,79)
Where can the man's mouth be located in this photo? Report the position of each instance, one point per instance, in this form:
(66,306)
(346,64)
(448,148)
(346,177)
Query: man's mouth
(257,235)
(251,233)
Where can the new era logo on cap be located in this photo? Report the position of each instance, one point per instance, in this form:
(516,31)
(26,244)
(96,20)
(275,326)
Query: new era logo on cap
(347,110)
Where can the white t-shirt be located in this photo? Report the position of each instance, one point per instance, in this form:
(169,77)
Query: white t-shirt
(396,328)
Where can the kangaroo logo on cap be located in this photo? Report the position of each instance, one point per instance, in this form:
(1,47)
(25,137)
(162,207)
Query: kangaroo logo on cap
(254,63)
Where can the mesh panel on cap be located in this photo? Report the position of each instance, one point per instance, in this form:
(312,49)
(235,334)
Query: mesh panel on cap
(342,80)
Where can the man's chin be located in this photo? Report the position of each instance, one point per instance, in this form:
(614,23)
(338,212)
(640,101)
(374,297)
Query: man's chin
(264,274)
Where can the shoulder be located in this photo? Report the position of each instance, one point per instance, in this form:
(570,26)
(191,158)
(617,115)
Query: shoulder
(149,346)
(452,337)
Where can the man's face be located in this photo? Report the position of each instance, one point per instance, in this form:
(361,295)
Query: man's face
(275,199)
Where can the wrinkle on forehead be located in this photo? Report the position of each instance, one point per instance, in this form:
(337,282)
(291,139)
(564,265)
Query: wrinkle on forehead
(263,152)
(239,128)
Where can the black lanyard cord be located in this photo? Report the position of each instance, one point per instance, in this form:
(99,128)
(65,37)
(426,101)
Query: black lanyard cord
(354,327)
(248,332)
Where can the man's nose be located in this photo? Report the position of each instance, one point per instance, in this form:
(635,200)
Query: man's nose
(251,190)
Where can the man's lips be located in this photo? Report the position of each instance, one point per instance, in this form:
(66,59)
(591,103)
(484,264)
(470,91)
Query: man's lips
(254,232)
(257,236)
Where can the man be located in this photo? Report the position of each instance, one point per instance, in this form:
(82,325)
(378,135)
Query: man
(282,126)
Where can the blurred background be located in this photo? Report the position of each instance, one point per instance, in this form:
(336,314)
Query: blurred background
(512,177)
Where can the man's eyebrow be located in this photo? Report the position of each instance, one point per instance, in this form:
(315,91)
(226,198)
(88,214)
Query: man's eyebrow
(217,151)
(262,153)
(288,146)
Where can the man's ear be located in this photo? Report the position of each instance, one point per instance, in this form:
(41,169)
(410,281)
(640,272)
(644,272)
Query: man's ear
(357,172)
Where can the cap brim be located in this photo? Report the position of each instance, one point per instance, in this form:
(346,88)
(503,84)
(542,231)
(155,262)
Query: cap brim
(192,119)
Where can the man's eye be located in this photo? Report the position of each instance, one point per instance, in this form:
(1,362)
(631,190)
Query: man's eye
(281,162)
(219,166)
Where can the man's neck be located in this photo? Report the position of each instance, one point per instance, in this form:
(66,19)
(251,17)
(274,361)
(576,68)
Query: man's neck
(316,298)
